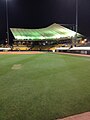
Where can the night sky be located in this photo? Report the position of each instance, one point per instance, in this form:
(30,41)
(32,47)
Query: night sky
(42,13)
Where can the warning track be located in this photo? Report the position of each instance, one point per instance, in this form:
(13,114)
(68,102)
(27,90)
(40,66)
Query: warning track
(21,52)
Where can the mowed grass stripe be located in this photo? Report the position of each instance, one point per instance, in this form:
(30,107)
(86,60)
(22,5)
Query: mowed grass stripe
(46,86)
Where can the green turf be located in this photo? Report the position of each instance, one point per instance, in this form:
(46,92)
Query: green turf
(45,87)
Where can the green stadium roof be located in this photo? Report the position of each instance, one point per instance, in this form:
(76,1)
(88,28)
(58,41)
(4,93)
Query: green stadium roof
(53,32)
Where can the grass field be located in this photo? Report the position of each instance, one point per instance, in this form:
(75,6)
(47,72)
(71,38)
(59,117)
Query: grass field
(43,86)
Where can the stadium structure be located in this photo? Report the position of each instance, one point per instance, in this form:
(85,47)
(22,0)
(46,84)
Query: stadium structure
(48,38)
(53,38)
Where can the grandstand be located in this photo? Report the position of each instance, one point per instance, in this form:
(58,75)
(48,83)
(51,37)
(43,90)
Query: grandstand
(44,38)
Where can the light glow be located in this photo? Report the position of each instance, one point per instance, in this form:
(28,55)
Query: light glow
(52,32)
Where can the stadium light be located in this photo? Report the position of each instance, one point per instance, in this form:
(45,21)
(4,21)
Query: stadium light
(7,32)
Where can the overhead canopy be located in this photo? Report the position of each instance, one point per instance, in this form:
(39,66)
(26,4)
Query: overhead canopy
(53,32)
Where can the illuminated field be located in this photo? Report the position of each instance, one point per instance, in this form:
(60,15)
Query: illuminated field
(43,86)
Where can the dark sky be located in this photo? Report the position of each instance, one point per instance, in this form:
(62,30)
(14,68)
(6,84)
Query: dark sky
(42,13)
